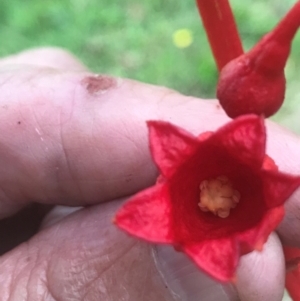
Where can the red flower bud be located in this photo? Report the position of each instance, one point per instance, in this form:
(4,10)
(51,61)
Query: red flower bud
(255,82)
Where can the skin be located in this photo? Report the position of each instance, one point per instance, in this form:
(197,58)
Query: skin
(76,144)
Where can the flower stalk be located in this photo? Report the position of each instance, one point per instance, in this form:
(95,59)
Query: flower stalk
(221,30)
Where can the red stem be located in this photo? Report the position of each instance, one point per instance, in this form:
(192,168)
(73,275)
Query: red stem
(221,30)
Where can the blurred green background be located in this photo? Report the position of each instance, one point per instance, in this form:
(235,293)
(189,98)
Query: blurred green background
(134,39)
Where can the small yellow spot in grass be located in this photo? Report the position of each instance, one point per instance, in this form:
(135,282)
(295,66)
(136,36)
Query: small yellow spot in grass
(182,38)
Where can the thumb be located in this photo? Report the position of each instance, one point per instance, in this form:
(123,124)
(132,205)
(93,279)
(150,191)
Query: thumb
(85,257)
(253,276)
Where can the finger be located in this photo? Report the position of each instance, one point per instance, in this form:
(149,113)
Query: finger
(261,275)
(78,139)
(284,147)
(98,262)
(45,57)
(186,281)
(253,276)
(57,214)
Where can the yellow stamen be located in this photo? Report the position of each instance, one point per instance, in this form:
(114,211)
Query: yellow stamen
(218,196)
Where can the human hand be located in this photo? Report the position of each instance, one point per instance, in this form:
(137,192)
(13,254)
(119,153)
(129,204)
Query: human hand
(78,140)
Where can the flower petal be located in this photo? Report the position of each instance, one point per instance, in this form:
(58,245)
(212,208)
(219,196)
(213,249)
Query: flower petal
(147,215)
(244,138)
(256,237)
(218,258)
(278,187)
(169,145)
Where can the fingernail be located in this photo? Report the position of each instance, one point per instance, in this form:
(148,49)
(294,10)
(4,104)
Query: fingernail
(186,281)
(57,214)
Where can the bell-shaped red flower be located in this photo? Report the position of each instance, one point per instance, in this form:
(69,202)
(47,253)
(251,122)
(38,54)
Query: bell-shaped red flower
(218,196)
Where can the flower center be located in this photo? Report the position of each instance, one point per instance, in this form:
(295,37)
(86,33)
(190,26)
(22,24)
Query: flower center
(218,196)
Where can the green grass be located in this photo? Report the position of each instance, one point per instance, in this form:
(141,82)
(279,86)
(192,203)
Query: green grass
(132,38)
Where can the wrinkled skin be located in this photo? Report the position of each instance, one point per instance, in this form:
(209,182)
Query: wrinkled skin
(73,139)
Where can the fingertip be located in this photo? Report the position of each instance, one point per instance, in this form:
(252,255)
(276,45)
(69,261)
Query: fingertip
(53,57)
(261,275)
(186,281)
(289,228)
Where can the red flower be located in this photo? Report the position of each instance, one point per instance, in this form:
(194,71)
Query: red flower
(227,173)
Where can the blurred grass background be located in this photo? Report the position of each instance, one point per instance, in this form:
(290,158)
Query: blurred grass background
(134,39)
